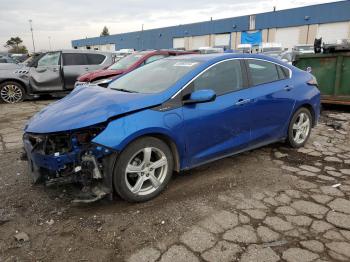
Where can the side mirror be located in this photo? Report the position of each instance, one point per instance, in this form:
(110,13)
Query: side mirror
(201,96)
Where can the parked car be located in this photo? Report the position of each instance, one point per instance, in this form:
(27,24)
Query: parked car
(129,63)
(20,57)
(5,59)
(171,115)
(210,50)
(244,48)
(304,49)
(287,56)
(51,73)
(270,47)
(274,50)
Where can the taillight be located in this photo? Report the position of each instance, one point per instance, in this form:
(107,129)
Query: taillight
(312,81)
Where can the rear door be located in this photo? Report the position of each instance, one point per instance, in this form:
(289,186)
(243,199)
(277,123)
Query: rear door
(98,61)
(46,75)
(74,65)
(271,92)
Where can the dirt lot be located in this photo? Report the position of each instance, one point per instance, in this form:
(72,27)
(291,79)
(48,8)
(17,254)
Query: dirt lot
(265,205)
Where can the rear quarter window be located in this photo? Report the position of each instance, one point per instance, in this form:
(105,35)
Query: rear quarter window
(70,59)
(95,59)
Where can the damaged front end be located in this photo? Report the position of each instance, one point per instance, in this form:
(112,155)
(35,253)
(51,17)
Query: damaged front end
(70,157)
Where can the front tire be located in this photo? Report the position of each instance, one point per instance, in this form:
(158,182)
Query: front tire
(143,169)
(11,92)
(300,128)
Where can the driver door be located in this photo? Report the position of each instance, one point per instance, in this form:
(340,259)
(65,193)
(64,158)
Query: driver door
(46,76)
(221,127)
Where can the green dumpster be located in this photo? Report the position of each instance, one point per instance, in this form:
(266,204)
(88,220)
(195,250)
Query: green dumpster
(332,72)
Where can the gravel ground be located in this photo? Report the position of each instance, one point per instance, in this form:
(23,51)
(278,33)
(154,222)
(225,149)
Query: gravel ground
(274,203)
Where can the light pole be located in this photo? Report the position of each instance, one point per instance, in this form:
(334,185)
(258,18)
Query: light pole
(50,42)
(142,37)
(31,29)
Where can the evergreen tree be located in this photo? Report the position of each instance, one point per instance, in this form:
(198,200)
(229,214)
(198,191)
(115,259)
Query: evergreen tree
(105,31)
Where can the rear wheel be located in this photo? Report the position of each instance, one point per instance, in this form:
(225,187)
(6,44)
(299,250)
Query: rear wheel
(143,170)
(11,92)
(300,128)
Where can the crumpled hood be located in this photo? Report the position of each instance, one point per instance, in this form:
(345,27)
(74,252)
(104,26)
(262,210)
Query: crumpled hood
(86,106)
(91,76)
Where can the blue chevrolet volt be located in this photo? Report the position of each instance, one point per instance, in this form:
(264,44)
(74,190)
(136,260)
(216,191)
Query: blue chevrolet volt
(171,115)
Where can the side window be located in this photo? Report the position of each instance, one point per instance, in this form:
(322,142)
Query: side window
(262,72)
(49,59)
(153,58)
(223,78)
(70,59)
(95,59)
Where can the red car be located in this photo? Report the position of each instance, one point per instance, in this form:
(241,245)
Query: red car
(104,76)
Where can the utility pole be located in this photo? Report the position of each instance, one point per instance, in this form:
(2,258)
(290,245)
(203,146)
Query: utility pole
(31,29)
(50,42)
(142,37)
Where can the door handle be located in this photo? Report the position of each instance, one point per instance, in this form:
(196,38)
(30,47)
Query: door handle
(54,69)
(41,70)
(86,69)
(242,102)
(288,88)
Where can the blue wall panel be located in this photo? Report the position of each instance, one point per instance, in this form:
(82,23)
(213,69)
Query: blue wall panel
(163,37)
(315,14)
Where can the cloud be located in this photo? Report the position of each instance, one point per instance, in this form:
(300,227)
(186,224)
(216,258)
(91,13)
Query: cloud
(64,20)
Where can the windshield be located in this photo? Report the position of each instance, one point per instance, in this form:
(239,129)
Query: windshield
(28,60)
(126,62)
(154,77)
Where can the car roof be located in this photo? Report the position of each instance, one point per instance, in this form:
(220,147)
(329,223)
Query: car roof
(222,56)
(84,51)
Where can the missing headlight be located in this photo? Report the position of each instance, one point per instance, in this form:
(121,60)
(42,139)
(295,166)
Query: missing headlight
(65,142)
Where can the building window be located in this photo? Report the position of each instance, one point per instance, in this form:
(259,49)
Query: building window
(252,22)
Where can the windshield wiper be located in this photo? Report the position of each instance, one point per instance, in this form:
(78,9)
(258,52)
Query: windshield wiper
(125,90)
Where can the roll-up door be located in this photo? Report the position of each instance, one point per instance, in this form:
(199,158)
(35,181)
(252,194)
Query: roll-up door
(330,33)
(179,43)
(288,37)
(199,41)
(222,40)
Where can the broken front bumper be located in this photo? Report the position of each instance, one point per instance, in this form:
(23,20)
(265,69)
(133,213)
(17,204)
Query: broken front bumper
(38,162)
(88,164)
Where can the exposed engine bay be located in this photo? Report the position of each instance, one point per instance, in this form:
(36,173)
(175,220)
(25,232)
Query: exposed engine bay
(70,157)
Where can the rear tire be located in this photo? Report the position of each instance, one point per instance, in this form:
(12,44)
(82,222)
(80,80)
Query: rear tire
(299,128)
(143,169)
(11,92)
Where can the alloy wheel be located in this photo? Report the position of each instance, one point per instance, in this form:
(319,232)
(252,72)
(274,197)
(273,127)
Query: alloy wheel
(11,93)
(301,128)
(146,171)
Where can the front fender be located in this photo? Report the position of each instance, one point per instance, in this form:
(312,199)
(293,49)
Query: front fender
(120,132)
(23,80)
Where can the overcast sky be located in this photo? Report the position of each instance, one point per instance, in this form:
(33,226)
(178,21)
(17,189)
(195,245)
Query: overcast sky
(64,20)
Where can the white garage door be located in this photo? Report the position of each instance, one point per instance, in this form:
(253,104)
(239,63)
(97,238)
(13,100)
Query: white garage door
(222,40)
(199,41)
(288,37)
(179,43)
(330,33)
